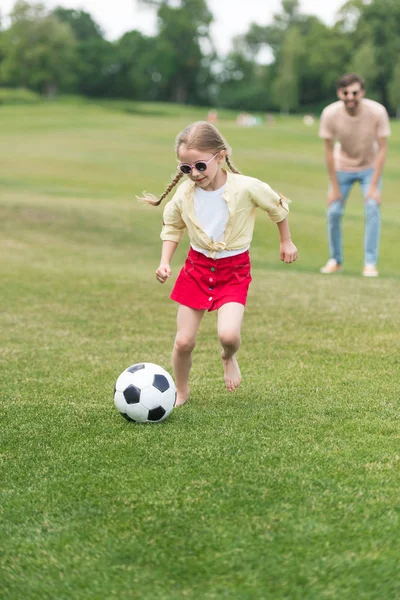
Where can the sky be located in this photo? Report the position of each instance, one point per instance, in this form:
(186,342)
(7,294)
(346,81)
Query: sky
(231,17)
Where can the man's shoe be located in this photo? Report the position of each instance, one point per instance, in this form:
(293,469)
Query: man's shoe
(370,271)
(332,266)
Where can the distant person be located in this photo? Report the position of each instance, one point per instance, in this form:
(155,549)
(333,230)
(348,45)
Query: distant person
(360,128)
(308,120)
(217,209)
(270,119)
(212,116)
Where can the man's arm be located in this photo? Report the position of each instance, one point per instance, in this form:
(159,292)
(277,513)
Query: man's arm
(373,191)
(334,192)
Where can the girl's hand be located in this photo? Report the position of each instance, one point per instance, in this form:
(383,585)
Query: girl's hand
(163,273)
(288,251)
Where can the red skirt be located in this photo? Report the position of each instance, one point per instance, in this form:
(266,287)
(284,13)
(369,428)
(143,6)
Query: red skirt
(206,283)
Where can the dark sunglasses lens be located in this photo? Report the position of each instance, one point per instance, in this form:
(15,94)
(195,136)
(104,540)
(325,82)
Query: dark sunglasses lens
(185,169)
(201,166)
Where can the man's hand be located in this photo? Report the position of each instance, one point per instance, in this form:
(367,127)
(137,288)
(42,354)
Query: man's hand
(334,194)
(288,251)
(374,192)
(163,273)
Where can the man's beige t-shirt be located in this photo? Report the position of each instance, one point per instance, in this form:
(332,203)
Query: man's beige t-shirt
(356,136)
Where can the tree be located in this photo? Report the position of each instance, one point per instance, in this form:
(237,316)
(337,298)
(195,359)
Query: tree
(394,90)
(379,22)
(273,35)
(97,68)
(243,84)
(137,76)
(2,44)
(308,56)
(363,61)
(326,50)
(183,29)
(95,64)
(287,82)
(39,51)
(81,23)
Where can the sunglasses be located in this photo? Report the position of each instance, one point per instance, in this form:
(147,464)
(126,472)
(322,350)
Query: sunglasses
(347,93)
(200,165)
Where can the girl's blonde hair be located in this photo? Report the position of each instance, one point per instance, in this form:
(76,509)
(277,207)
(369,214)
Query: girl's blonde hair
(202,136)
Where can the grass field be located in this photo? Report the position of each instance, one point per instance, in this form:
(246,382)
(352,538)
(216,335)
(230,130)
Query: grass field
(287,489)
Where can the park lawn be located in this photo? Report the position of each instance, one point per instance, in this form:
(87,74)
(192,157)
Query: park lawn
(288,488)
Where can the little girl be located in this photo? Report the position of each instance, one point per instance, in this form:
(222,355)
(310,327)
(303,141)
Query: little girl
(217,209)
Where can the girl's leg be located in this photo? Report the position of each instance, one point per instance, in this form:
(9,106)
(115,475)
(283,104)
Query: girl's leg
(230,317)
(188,322)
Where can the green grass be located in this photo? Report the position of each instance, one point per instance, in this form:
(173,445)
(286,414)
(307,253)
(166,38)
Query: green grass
(287,489)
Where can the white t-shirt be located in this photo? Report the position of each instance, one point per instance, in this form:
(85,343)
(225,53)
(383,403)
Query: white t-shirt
(212,214)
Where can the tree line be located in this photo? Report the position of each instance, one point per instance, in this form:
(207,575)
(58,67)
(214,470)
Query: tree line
(65,51)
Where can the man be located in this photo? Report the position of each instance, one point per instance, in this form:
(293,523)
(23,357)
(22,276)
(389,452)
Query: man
(360,128)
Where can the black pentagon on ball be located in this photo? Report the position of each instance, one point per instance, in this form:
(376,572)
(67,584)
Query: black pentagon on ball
(155,414)
(127,418)
(161,383)
(135,368)
(132,394)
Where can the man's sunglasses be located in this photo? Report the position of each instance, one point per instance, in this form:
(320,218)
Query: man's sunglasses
(347,93)
(200,165)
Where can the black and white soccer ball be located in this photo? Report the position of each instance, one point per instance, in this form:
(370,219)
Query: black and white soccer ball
(145,393)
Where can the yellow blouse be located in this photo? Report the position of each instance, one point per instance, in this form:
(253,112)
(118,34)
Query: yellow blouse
(242,194)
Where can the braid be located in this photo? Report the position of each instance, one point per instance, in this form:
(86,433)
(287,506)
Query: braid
(230,165)
(201,136)
(150,199)
(171,186)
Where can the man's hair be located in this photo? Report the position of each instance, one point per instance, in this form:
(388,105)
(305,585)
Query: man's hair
(348,79)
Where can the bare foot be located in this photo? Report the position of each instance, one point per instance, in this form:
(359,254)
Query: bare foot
(231,373)
(182,397)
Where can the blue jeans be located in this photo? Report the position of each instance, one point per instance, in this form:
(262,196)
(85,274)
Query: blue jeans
(335,213)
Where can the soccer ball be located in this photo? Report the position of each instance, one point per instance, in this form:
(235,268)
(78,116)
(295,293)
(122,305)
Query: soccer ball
(145,393)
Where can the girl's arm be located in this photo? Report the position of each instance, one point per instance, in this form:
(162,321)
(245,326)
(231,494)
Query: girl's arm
(287,249)
(164,270)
